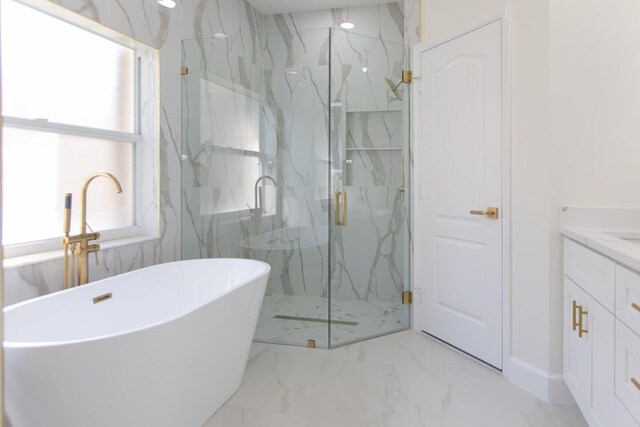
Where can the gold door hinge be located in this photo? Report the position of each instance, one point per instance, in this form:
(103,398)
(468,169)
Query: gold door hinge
(407,76)
(407,297)
(311,343)
(184,71)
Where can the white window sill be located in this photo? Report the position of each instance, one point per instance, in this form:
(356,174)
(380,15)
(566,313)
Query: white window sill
(24,260)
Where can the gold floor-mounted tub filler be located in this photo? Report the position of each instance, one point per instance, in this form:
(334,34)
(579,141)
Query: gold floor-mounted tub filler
(77,248)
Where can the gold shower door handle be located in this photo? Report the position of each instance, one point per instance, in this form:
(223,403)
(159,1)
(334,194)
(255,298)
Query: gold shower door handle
(341,205)
(490,213)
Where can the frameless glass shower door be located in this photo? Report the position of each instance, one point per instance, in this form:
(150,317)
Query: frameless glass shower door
(255,169)
(369,174)
(278,131)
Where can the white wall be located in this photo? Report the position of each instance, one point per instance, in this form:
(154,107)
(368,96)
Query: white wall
(595,100)
(442,18)
(533,350)
(575,85)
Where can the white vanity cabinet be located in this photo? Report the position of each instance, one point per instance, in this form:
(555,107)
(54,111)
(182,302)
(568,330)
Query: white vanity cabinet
(601,353)
(589,354)
(627,373)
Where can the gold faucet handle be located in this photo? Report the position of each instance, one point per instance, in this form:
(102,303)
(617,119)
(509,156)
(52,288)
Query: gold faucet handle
(97,257)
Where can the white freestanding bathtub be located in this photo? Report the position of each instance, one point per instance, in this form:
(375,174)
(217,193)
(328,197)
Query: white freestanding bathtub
(167,349)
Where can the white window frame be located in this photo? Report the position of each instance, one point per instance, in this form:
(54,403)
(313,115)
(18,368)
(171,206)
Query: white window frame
(145,138)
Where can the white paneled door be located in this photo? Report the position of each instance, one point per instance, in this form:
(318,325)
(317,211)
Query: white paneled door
(459,205)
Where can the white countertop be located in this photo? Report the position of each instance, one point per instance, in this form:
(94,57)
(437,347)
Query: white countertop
(606,242)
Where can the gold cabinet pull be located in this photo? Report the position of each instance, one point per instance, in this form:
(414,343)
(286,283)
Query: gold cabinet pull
(491,213)
(341,201)
(573,315)
(636,306)
(635,383)
(581,330)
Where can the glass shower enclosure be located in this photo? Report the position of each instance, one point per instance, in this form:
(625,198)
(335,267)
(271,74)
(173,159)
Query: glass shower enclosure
(296,154)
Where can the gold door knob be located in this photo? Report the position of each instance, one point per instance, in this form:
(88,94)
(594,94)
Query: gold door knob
(490,213)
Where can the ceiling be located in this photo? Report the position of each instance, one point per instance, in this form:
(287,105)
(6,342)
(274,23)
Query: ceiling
(269,7)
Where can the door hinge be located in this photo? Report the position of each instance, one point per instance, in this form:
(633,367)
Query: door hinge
(311,343)
(407,76)
(407,297)
(184,71)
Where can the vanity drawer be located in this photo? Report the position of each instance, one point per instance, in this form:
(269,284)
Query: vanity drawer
(623,417)
(627,369)
(628,298)
(591,271)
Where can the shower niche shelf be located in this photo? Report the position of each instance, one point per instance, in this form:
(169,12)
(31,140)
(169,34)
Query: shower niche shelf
(373,148)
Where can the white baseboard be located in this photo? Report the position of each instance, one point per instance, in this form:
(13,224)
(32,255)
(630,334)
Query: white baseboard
(547,386)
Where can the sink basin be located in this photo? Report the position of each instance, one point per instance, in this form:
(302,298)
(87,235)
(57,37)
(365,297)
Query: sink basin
(628,236)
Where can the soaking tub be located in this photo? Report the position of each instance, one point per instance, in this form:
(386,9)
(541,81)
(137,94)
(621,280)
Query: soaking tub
(161,346)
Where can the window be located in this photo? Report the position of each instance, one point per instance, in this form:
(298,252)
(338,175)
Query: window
(71,104)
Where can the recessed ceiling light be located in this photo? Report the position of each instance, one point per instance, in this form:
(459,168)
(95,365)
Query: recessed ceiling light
(291,71)
(365,69)
(167,3)
(347,25)
(220,35)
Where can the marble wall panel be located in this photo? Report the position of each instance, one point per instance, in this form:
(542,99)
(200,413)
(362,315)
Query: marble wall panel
(412,22)
(374,149)
(368,255)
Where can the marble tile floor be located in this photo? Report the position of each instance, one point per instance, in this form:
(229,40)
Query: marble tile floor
(404,379)
(373,318)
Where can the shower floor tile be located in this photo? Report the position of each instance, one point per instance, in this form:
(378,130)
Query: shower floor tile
(365,319)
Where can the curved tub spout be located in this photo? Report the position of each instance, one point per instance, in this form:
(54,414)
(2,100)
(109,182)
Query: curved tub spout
(85,187)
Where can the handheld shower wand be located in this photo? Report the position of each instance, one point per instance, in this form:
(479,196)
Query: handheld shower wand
(66,228)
